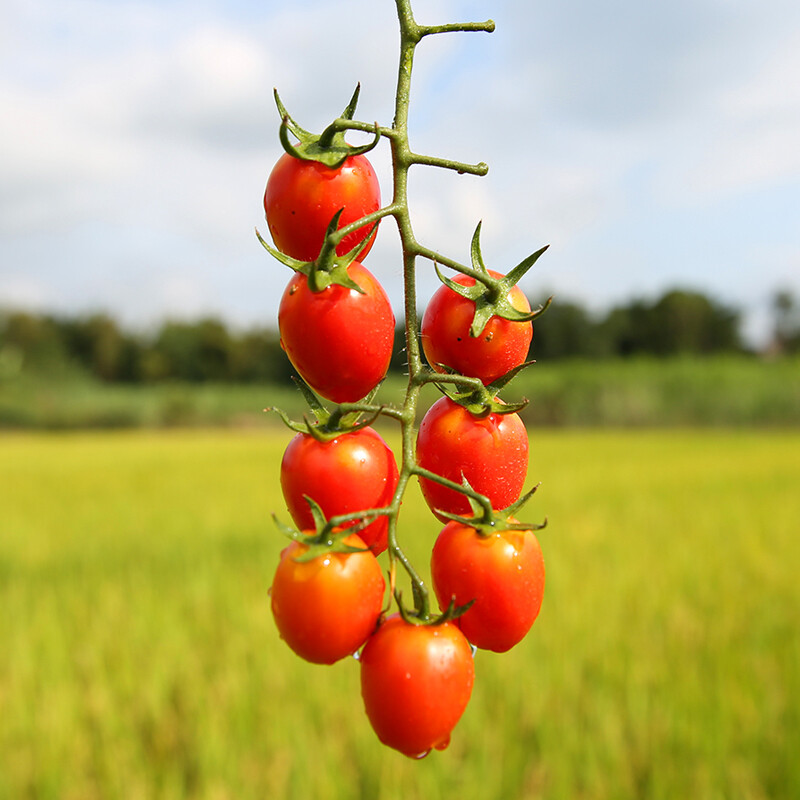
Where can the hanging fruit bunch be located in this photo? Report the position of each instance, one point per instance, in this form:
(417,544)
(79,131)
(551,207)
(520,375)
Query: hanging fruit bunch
(341,481)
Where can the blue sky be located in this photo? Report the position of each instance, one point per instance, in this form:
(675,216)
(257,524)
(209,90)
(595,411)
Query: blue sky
(651,145)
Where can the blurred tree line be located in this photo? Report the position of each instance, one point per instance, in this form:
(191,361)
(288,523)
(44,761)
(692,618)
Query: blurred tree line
(679,322)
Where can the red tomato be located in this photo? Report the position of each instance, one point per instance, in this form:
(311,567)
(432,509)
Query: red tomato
(302,197)
(490,452)
(339,340)
(502,572)
(326,608)
(501,346)
(416,681)
(355,471)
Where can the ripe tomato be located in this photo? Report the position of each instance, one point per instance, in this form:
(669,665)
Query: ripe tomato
(502,572)
(501,346)
(490,452)
(339,340)
(302,196)
(326,608)
(355,471)
(416,681)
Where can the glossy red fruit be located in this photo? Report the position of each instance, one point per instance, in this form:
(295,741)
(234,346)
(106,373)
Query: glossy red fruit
(502,572)
(326,608)
(302,197)
(416,681)
(352,472)
(501,345)
(338,339)
(490,452)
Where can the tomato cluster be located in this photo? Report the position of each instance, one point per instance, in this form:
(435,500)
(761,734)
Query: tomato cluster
(341,481)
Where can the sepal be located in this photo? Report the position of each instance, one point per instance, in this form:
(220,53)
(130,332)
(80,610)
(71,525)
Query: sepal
(327,425)
(490,294)
(329,147)
(325,539)
(482,400)
(487,521)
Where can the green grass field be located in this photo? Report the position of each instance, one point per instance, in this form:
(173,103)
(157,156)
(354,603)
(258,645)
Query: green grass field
(138,657)
(724,391)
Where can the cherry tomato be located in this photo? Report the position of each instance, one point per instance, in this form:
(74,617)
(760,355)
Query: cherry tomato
(302,197)
(490,452)
(502,572)
(354,471)
(339,340)
(326,608)
(416,681)
(501,346)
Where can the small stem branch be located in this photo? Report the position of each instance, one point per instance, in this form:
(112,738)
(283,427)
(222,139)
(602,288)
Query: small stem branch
(457,380)
(458,27)
(365,127)
(461,168)
(445,261)
(368,219)
(386,411)
(484,501)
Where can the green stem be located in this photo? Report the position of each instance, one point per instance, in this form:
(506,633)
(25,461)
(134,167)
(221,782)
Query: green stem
(402,159)
(418,374)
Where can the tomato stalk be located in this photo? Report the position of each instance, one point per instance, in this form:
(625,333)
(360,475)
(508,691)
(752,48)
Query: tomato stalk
(419,375)
(403,158)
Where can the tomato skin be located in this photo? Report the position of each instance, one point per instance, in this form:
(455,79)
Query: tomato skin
(416,681)
(501,346)
(503,573)
(301,198)
(339,340)
(354,471)
(490,452)
(326,608)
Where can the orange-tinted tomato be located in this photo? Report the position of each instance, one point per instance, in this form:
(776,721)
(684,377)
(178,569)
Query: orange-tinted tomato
(416,681)
(502,572)
(352,472)
(339,340)
(302,197)
(490,452)
(501,346)
(326,608)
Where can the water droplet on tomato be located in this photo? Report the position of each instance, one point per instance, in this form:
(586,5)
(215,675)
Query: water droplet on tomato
(443,744)
(357,655)
(418,756)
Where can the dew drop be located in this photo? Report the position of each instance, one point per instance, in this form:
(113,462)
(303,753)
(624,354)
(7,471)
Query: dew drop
(357,655)
(418,756)
(443,744)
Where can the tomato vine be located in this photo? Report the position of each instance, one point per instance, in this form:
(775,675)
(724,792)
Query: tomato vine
(498,305)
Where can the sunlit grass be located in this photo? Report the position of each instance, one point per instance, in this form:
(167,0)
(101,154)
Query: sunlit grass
(139,657)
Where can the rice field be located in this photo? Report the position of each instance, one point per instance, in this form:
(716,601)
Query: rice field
(138,657)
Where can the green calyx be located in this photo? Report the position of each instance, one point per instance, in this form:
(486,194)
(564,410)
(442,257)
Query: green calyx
(327,268)
(325,539)
(487,521)
(329,425)
(480,400)
(490,294)
(329,147)
(420,615)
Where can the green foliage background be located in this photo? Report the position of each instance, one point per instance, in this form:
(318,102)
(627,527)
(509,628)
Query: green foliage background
(139,659)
